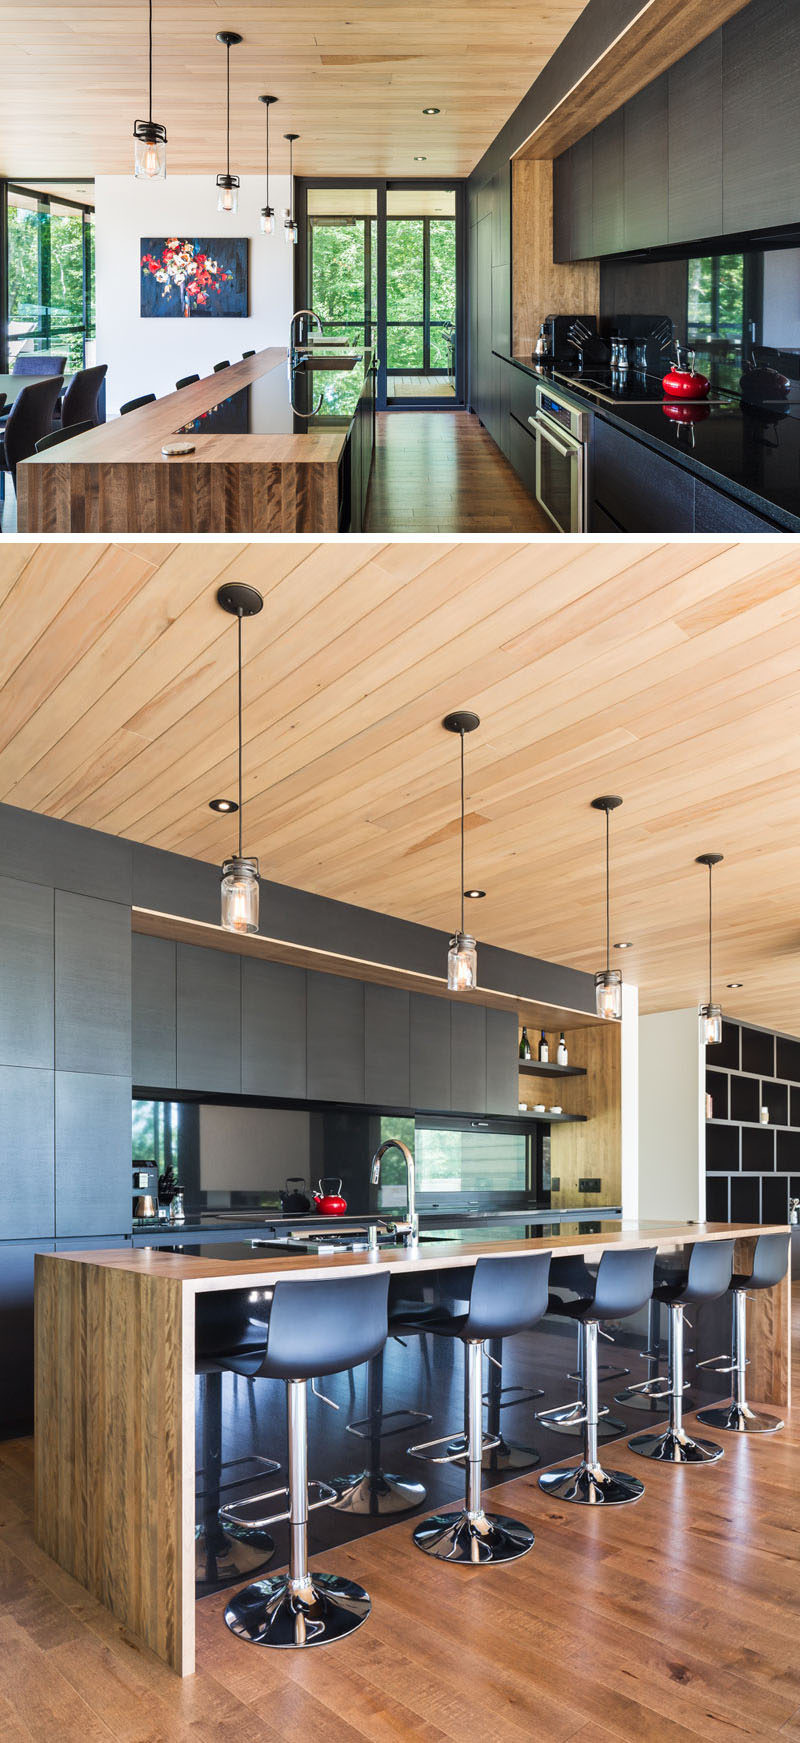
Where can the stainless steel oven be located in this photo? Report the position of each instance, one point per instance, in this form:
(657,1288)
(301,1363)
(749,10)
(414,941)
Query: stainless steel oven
(562,458)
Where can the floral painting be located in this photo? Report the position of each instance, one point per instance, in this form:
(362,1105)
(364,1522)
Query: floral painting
(194,276)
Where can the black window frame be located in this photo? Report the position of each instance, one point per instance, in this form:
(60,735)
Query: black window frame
(46,198)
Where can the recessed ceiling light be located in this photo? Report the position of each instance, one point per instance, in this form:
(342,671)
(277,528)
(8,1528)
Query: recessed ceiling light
(625,945)
(735,983)
(420,160)
(475,895)
(431,111)
(222,805)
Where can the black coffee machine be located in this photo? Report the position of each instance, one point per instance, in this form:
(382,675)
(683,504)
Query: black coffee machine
(555,331)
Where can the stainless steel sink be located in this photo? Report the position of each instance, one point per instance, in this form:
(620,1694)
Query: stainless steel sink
(308,364)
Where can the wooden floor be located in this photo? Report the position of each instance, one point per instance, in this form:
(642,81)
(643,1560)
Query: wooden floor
(440,472)
(675,1618)
(421,387)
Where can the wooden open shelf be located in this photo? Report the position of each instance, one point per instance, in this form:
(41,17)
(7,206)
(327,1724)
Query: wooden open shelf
(535,1068)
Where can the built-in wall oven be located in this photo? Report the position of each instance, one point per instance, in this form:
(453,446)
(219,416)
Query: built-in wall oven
(562,431)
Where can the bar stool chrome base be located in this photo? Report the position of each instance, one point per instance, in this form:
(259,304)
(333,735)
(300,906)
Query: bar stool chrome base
(675,1447)
(377,1493)
(478,1537)
(283,1612)
(591,1486)
(739,1419)
(498,1454)
(570,1424)
(223,1557)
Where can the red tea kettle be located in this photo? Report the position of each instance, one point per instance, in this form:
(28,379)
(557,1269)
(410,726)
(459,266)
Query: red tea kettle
(685,384)
(330,1203)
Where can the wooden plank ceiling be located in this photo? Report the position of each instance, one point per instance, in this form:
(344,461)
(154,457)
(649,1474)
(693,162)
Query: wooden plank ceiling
(666,673)
(351,80)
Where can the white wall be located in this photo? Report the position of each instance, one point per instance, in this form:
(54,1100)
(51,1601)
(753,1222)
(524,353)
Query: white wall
(671,1117)
(148,356)
(629,1098)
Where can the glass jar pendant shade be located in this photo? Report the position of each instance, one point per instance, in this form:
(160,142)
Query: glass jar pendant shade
(227,184)
(267,219)
(462,955)
(150,138)
(608,980)
(289,222)
(239,887)
(709,1014)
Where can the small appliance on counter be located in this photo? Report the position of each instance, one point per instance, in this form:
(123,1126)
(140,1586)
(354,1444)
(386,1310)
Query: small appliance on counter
(685,384)
(294,1197)
(330,1202)
(145,1191)
(556,330)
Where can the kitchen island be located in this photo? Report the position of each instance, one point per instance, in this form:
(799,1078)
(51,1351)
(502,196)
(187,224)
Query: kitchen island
(274,450)
(115,1404)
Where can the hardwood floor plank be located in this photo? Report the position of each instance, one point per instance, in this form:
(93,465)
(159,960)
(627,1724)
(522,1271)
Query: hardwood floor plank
(440,471)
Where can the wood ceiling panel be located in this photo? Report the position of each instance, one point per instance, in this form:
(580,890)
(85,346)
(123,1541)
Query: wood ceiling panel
(351,81)
(667,673)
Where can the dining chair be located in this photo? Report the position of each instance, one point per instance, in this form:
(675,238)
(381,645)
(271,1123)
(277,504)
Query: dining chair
(80,399)
(186,381)
(225,364)
(30,418)
(65,434)
(132,405)
(38,363)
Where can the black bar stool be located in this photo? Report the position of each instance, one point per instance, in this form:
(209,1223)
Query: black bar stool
(770,1264)
(705,1278)
(572,1273)
(224,1554)
(373,1491)
(506,1295)
(314,1328)
(623,1285)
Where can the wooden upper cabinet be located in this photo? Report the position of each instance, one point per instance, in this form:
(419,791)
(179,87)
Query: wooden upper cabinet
(761,116)
(581,227)
(608,229)
(695,143)
(646,128)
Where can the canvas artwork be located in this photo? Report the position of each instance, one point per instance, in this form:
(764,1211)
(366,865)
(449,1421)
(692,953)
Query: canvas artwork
(193,276)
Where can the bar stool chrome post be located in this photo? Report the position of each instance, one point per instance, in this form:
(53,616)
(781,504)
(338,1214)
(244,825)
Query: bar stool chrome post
(705,1278)
(770,1263)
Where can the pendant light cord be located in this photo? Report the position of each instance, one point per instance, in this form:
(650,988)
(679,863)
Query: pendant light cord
(266,109)
(608,893)
(228,127)
(462,829)
(291,181)
(150,62)
(710,978)
(239,622)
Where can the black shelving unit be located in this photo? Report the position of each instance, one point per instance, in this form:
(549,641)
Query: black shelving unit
(535,1068)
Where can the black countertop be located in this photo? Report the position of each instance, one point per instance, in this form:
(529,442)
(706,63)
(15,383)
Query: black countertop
(304,401)
(752,453)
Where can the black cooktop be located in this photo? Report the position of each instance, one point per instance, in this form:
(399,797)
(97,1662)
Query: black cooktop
(626,386)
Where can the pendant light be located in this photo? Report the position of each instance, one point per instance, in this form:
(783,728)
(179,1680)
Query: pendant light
(239,888)
(608,981)
(228,185)
(462,956)
(150,151)
(710,1015)
(289,224)
(267,213)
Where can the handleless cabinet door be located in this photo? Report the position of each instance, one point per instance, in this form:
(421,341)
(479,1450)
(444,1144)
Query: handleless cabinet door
(154,1012)
(273,1028)
(27,1160)
(581,230)
(26,975)
(93,984)
(695,142)
(335,1038)
(209,1020)
(760,116)
(93,1146)
(429,1020)
(646,119)
(386,1036)
(562,208)
(502,1062)
(608,218)
(468,1057)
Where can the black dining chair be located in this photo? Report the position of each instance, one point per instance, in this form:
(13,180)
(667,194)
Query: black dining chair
(186,381)
(64,434)
(248,354)
(38,363)
(132,405)
(30,418)
(225,364)
(79,404)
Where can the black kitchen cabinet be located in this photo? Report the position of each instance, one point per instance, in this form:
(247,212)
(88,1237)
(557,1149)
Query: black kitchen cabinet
(273,1028)
(562,208)
(502,1062)
(645,173)
(714,512)
(92,985)
(608,210)
(335,1038)
(521,452)
(387,1046)
(695,143)
(26,978)
(17,1276)
(760,116)
(430,1070)
(27,1181)
(581,185)
(155,1023)
(642,492)
(209,1046)
(468,1058)
(93,1145)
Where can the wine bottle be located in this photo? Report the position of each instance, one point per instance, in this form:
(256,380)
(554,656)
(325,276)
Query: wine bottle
(562,1056)
(525,1046)
(544,1050)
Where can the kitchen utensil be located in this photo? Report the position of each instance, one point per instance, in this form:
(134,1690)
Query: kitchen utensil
(294,1198)
(685,384)
(330,1203)
(758,383)
(177,1214)
(145,1207)
(556,1108)
(542,346)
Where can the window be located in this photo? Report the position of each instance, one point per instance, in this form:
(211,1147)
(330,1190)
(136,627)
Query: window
(156,1133)
(49,294)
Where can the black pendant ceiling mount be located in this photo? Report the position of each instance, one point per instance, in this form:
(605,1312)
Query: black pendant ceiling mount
(608,980)
(150,150)
(239,887)
(289,222)
(228,185)
(267,212)
(462,955)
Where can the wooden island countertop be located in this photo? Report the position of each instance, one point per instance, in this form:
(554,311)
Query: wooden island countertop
(115,1396)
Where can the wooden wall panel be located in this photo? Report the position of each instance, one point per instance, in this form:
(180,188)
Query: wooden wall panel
(594,1149)
(540,286)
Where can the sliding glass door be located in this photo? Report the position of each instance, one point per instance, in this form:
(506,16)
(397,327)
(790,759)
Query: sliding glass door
(48,300)
(386,258)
